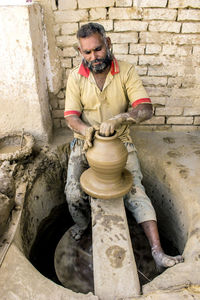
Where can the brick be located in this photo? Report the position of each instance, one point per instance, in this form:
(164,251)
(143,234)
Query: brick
(148,80)
(53,5)
(56,123)
(97,13)
(189,15)
(133,59)
(192,111)
(65,4)
(69,28)
(136,49)
(61,95)
(174,82)
(162,71)
(186,39)
(169,111)
(180,120)
(184,3)
(155,121)
(184,50)
(160,14)
(125,13)
(63,123)
(69,52)
(149,60)
(120,38)
(153,49)
(141,70)
(165,26)
(190,28)
(196,50)
(154,37)
(71,16)
(107,24)
(76,61)
(54,103)
(181,102)
(152,3)
(130,26)
(196,120)
(61,104)
(66,63)
(169,50)
(58,113)
(56,29)
(95,3)
(158,101)
(158,91)
(64,40)
(123,3)
(120,48)
(185,93)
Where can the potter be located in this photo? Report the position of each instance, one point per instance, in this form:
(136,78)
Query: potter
(106,94)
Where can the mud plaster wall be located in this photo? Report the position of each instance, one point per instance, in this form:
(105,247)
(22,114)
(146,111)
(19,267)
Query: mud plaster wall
(161,38)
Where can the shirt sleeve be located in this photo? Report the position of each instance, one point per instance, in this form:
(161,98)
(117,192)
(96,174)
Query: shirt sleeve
(73,104)
(135,90)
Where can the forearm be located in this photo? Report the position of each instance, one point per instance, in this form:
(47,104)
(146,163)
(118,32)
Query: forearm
(76,124)
(136,115)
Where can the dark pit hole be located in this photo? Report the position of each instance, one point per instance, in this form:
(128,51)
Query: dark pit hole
(59,221)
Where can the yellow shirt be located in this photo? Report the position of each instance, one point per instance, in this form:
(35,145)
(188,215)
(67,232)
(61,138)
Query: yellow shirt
(122,89)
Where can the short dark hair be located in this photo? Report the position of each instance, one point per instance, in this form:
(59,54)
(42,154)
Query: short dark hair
(90,29)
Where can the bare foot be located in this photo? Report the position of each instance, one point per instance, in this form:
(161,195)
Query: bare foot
(76,232)
(163,260)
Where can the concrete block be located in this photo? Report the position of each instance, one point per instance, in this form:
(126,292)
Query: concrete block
(120,38)
(190,28)
(180,120)
(154,37)
(184,50)
(66,16)
(125,13)
(95,3)
(61,104)
(158,101)
(153,49)
(58,113)
(158,81)
(188,15)
(66,63)
(56,123)
(192,111)
(161,71)
(165,26)
(66,40)
(130,26)
(69,52)
(169,50)
(132,59)
(65,4)
(168,111)
(120,48)
(196,50)
(69,28)
(181,102)
(97,13)
(185,39)
(150,3)
(107,24)
(150,60)
(160,14)
(136,49)
(123,3)
(158,91)
(184,4)
(115,271)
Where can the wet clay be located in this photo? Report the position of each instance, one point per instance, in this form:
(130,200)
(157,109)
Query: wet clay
(9,149)
(107,177)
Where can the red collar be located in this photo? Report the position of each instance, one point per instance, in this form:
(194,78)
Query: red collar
(114,69)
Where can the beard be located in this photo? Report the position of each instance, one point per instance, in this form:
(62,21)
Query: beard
(103,63)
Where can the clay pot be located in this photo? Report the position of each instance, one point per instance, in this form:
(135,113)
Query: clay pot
(107,177)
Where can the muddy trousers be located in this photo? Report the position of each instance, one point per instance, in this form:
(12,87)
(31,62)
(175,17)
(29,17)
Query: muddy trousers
(136,200)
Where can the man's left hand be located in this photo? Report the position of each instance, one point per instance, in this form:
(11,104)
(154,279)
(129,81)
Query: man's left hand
(108,127)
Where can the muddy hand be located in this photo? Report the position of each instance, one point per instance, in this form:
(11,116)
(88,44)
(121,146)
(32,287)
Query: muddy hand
(89,136)
(108,127)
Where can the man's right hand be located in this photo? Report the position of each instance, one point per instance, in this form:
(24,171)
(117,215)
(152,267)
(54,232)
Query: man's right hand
(89,136)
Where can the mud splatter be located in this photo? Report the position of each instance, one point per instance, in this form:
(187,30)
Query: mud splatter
(173,153)
(116,256)
(184,172)
(169,140)
(197,152)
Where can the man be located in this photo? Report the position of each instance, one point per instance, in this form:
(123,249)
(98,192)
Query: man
(99,93)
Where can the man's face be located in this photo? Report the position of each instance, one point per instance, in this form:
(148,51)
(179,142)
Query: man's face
(95,51)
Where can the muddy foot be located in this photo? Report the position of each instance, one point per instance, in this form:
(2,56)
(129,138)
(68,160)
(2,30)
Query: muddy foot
(76,232)
(165,261)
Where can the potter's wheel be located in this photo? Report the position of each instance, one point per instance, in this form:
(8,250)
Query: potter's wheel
(105,189)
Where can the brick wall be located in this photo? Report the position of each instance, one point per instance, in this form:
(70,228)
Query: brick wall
(160,37)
